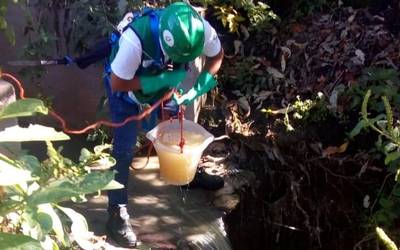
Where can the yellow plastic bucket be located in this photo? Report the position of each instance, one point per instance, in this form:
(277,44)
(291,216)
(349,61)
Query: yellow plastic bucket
(176,167)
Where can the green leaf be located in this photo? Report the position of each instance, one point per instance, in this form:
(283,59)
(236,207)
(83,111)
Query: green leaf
(392,157)
(24,107)
(32,133)
(64,189)
(396,191)
(44,221)
(79,228)
(381,217)
(31,223)
(357,129)
(31,163)
(18,242)
(386,203)
(389,147)
(11,175)
(57,226)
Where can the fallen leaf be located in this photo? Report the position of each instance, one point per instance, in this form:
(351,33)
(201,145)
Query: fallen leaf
(331,150)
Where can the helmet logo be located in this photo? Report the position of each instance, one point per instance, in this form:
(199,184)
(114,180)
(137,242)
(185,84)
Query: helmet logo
(168,38)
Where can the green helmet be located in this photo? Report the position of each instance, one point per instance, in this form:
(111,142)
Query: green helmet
(181,32)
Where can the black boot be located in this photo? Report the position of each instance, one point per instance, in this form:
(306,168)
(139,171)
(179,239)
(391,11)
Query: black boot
(205,181)
(119,229)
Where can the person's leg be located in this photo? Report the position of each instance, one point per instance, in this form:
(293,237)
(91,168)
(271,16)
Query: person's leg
(124,140)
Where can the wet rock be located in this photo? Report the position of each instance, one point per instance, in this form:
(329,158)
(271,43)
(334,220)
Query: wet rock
(227,202)
(226,190)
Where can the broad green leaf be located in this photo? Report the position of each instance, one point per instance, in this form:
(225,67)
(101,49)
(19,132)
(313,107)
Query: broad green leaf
(24,107)
(64,189)
(30,225)
(392,157)
(32,133)
(79,228)
(18,242)
(11,175)
(44,221)
(56,222)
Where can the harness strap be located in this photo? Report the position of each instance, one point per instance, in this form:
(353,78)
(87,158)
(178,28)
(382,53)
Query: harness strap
(154,24)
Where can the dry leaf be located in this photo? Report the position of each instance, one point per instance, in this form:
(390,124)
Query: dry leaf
(331,150)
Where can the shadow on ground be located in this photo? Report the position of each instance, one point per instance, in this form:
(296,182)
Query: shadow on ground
(163,216)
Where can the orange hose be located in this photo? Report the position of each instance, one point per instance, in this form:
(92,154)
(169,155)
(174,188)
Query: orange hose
(98,123)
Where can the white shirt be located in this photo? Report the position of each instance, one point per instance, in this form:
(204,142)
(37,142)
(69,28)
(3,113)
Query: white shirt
(128,57)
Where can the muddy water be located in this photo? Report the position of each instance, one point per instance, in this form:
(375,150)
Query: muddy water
(178,168)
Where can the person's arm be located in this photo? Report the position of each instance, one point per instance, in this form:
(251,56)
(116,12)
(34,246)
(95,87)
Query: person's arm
(119,84)
(213,64)
(148,84)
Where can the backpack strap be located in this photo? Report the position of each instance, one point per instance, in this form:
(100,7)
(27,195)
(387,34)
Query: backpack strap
(154,27)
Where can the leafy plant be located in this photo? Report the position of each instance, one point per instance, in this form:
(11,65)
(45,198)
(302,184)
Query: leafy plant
(31,216)
(388,143)
(381,82)
(303,111)
(303,8)
(260,15)
(4,26)
(229,17)
(235,12)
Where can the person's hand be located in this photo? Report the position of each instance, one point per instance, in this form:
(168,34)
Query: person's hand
(204,83)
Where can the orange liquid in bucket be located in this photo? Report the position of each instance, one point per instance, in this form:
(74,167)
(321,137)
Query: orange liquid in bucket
(179,168)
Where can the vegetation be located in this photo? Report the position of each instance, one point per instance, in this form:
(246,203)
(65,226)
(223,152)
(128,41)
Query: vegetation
(31,192)
(309,96)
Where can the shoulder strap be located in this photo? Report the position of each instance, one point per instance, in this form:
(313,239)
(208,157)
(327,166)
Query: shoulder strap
(154,24)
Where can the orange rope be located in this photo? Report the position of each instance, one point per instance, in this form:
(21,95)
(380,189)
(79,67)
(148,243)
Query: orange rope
(98,123)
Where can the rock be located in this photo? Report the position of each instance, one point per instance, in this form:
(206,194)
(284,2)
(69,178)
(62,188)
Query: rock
(226,190)
(227,202)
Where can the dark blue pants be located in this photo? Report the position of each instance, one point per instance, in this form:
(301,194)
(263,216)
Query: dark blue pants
(124,138)
(124,141)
